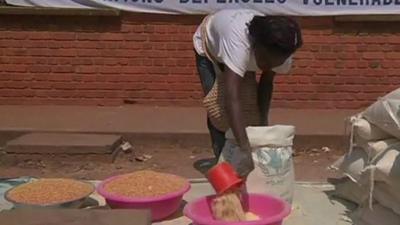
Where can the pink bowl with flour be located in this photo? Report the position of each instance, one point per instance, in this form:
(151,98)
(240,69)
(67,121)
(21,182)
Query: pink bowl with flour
(271,210)
(161,207)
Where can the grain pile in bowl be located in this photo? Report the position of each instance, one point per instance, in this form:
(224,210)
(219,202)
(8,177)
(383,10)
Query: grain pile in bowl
(145,183)
(228,207)
(50,191)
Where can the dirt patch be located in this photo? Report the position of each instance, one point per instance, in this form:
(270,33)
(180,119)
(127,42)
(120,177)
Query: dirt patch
(179,155)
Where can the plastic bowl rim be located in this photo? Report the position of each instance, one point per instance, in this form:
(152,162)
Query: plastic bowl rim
(187,211)
(109,196)
(6,197)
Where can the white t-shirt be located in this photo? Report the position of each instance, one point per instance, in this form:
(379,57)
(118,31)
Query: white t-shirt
(228,39)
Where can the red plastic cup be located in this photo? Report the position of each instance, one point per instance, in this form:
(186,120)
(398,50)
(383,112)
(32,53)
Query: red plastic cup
(223,177)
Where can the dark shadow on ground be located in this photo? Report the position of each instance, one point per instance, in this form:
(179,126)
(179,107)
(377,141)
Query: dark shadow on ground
(351,207)
(203,165)
(178,213)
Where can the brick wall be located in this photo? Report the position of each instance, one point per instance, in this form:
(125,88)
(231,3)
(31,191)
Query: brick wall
(148,59)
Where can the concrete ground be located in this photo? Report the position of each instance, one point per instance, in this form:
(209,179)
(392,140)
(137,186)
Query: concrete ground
(330,210)
(175,138)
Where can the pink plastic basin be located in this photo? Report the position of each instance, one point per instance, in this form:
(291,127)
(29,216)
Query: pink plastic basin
(270,209)
(160,207)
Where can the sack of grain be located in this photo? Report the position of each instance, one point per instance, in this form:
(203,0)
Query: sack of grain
(367,131)
(378,216)
(385,114)
(376,148)
(352,191)
(393,95)
(272,154)
(387,167)
(387,196)
(352,164)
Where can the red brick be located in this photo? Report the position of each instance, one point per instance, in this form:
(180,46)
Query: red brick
(352,56)
(87,36)
(13,68)
(14,51)
(110,69)
(393,39)
(392,55)
(15,35)
(135,37)
(390,64)
(81,61)
(134,70)
(39,69)
(138,28)
(39,52)
(87,69)
(60,77)
(16,93)
(373,55)
(87,44)
(327,71)
(350,39)
(362,64)
(149,29)
(64,85)
(87,52)
(16,85)
(40,85)
(324,56)
(59,61)
(66,52)
(111,37)
(64,36)
(40,35)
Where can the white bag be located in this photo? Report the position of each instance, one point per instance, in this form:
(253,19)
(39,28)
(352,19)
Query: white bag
(374,149)
(367,131)
(393,95)
(352,164)
(385,114)
(387,196)
(378,216)
(387,168)
(272,155)
(352,191)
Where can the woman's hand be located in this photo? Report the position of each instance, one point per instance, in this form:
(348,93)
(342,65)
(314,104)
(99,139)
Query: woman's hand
(245,163)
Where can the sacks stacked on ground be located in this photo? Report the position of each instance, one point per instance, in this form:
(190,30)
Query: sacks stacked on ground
(373,162)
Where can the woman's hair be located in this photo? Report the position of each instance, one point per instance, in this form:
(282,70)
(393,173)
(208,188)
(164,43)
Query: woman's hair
(279,34)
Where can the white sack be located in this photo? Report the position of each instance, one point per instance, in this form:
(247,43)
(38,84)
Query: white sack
(378,216)
(352,164)
(387,168)
(376,148)
(367,131)
(352,192)
(272,155)
(393,95)
(385,114)
(387,196)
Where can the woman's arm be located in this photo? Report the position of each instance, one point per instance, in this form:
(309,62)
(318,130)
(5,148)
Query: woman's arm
(233,88)
(265,89)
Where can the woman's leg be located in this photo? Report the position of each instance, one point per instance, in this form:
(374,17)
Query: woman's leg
(207,77)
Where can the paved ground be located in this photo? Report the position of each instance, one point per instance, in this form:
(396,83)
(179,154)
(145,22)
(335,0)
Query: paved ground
(330,210)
